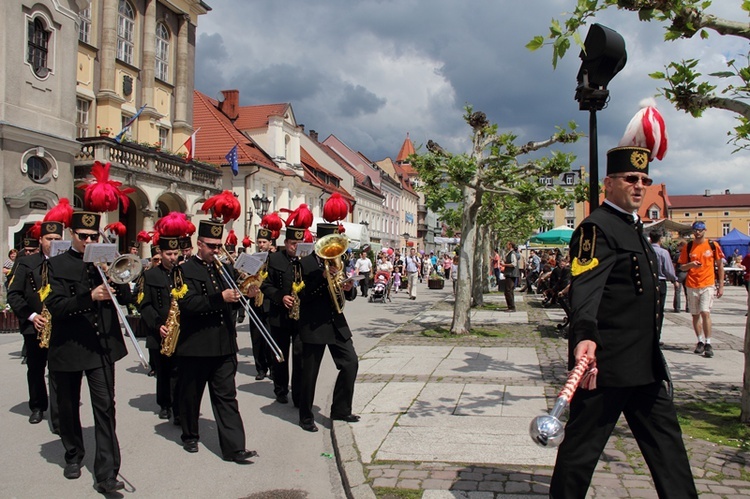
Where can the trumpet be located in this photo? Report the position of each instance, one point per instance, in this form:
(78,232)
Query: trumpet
(232,284)
(330,248)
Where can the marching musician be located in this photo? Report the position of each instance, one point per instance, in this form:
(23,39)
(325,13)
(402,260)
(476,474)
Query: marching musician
(322,325)
(24,298)
(186,247)
(262,354)
(207,348)
(284,272)
(154,300)
(614,298)
(86,338)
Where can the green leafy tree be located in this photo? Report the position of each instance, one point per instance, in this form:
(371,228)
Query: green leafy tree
(495,168)
(684,87)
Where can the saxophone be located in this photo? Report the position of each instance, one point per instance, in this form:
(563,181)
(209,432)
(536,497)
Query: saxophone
(297,286)
(169,342)
(44,335)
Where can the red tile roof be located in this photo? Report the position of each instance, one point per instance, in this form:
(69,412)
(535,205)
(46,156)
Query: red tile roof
(655,195)
(311,166)
(360,179)
(407,149)
(253,117)
(217,135)
(712,201)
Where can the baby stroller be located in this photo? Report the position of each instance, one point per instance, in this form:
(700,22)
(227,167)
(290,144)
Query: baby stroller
(381,288)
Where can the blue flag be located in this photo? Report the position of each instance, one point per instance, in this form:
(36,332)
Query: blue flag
(232,158)
(125,129)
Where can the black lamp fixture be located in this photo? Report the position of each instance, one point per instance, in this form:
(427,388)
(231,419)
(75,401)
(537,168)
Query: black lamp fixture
(365,223)
(261,204)
(602,58)
(406,236)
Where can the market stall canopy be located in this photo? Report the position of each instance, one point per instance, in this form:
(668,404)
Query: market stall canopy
(558,235)
(668,225)
(734,240)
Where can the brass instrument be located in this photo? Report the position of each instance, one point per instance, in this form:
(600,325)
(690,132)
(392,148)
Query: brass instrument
(44,335)
(169,342)
(297,285)
(230,282)
(330,248)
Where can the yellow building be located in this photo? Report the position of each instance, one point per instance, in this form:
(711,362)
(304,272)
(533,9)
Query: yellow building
(721,212)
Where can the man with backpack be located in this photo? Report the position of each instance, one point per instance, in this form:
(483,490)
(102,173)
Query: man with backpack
(699,258)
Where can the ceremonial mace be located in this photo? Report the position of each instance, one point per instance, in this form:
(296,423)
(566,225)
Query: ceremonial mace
(547,430)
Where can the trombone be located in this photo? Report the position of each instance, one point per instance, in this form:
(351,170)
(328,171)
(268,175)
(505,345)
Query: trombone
(227,277)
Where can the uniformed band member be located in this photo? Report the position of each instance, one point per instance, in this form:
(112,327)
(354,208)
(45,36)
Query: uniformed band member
(615,317)
(207,348)
(284,271)
(24,298)
(320,325)
(86,338)
(186,246)
(262,354)
(155,300)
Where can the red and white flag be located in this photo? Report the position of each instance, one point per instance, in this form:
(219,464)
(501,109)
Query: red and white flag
(190,146)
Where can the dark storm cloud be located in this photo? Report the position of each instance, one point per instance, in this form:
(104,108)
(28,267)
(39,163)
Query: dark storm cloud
(371,71)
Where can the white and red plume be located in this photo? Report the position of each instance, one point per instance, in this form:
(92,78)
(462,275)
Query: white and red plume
(647,129)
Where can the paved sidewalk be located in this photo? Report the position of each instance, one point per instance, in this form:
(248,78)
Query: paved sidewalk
(450,416)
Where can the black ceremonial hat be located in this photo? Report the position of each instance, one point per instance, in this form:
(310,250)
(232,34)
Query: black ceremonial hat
(295,233)
(186,242)
(264,233)
(326,229)
(169,243)
(211,229)
(52,228)
(627,159)
(85,220)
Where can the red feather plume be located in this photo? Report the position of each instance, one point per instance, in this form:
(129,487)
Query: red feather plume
(117,228)
(231,238)
(35,231)
(308,236)
(342,229)
(302,217)
(190,228)
(335,209)
(155,239)
(224,205)
(246,242)
(103,194)
(143,237)
(62,213)
(174,224)
(272,221)
(275,234)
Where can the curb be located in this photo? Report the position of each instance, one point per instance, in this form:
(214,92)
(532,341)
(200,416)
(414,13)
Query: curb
(347,459)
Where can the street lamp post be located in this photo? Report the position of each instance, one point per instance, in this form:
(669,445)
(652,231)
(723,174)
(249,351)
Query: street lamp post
(602,58)
(261,205)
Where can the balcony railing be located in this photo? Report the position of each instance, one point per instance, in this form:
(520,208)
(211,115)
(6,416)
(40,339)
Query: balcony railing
(128,157)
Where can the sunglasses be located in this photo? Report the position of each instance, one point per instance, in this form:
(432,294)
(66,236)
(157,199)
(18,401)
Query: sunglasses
(633,179)
(211,246)
(83,237)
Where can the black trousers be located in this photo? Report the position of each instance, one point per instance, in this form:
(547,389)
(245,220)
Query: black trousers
(346,362)
(166,380)
(284,339)
(218,373)
(510,299)
(36,365)
(262,355)
(101,381)
(652,418)
(364,284)
(662,301)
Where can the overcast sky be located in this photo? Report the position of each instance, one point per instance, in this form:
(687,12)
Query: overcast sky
(369,71)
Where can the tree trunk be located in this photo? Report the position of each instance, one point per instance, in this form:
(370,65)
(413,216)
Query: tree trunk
(745,413)
(462,308)
(486,260)
(476,271)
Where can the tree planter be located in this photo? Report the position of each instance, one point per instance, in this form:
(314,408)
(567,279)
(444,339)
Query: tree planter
(435,283)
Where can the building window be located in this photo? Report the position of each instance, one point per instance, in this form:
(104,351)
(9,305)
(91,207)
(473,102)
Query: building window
(162,52)
(164,138)
(725,228)
(38,47)
(726,213)
(546,181)
(125,32)
(700,214)
(687,214)
(654,213)
(124,119)
(570,178)
(36,168)
(84,30)
(82,118)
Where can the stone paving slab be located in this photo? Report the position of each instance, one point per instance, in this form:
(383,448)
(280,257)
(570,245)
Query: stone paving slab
(460,494)
(394,397)
(726,366)
(408,351)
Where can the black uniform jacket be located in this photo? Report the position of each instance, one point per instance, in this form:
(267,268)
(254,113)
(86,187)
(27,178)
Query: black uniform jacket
(85,334)
(277,285)
(614,299)
(23,292)
(207,326)
(319,322)
(156,299)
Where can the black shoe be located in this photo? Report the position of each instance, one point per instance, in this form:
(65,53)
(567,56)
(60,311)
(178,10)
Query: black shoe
(23,360)
(72,471)
(177,421)
(190,446)
(151,373)
(282,399)
(261,375)
(36,416)
(709,351)
(308,426)
(241,456)
(165,413)
(109,485)
(700,348)
(349,418)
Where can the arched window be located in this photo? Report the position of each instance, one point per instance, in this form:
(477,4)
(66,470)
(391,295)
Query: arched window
(38,40)
(125,32)
(37,169)
(162,52)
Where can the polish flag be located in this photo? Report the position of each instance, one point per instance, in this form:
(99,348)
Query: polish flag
(190,146)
